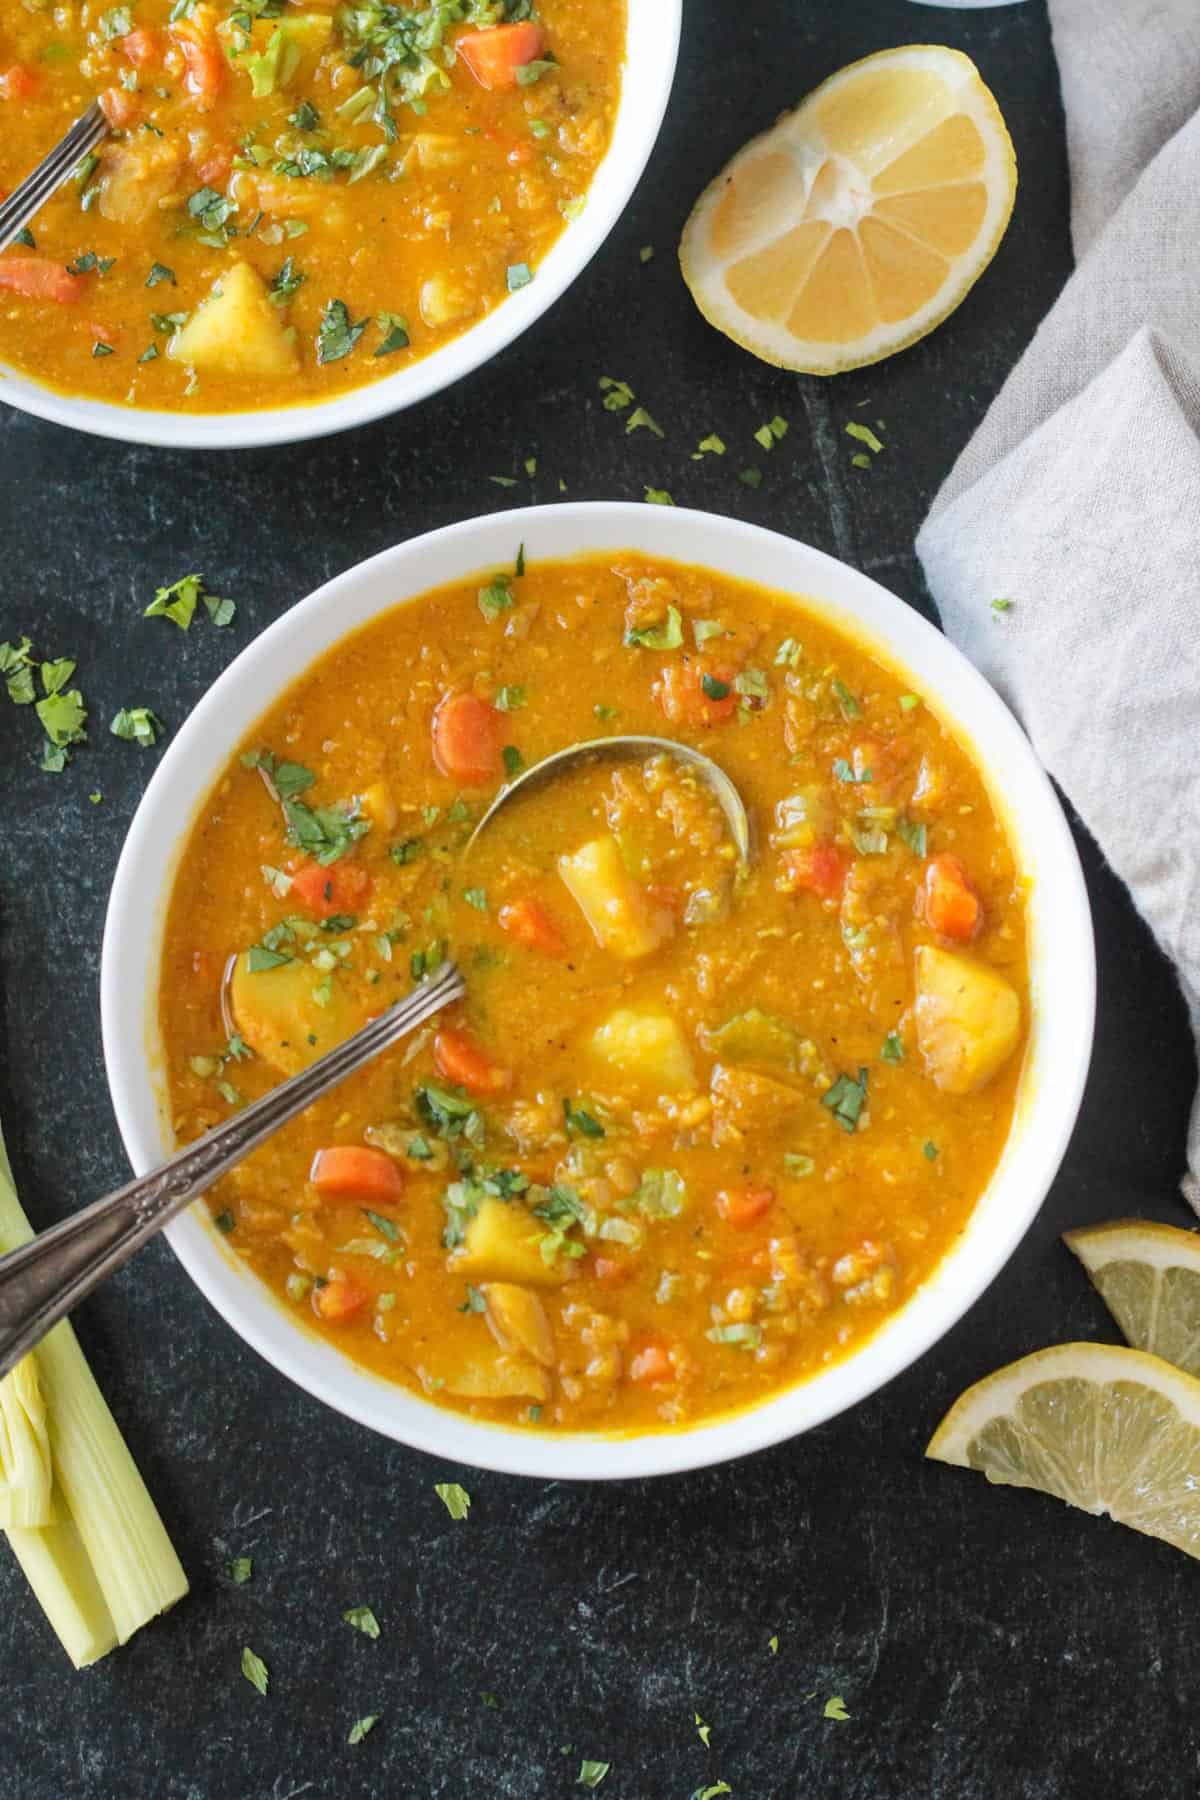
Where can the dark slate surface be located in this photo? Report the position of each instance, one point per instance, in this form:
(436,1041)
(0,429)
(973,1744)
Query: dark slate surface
(986,1643)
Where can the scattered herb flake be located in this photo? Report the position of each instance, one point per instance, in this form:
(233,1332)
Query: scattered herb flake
(835,1708)
(454,1497)
(337,336)
(255,1670)
(864,435)
(893,1049)
(240,1570)
(591,1774)
(361,1727)
(657,497)
(362,1619)
(846,1099)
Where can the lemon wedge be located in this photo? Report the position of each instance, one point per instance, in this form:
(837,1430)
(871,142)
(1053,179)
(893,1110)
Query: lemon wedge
(1104,1428)
(852,227)
(1148,1276)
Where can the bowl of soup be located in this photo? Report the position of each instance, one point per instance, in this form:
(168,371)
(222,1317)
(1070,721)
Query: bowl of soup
(716,1143)
(308,215)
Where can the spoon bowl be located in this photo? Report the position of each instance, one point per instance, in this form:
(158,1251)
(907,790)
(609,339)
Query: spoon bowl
(631,749)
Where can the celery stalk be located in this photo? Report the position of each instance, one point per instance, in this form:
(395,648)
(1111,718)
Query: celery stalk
(106,1566)
(26,1477)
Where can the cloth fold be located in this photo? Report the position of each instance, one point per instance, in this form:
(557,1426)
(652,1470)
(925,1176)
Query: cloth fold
(1078,499)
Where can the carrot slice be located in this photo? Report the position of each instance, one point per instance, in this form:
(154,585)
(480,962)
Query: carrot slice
(461,1061)
(532,926)
(466,739)
(696,693)
(820,870)
(119,107)
(495,55)
(339,1300)
(742,1206)
(18,83)
(34,278)
(949,902)
(327,892)
(356,1172)
(142,46)
(203,63)
(652,1363)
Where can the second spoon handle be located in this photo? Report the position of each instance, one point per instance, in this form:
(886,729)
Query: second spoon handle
(41,1282)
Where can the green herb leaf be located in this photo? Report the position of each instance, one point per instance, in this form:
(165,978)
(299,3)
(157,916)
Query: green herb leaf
(929,1150)
(893,1048)
(255,1670)
(509,699)
(287,283)
(914,835)
(591,1774)
(797,1165)
(847,701)
(138,725)
(843,772)
(714,689)
(496,597)
(668,635)
(63,717)
(514,762)
(846,1099)
(362,1619)
(455,1498)
(361,1727)
(577,1120)
(864,435)
(1001,606)
(160,272)
(337,336)
(306,117)
(476,897)
(240,1570)
(657,497)
(324,832)
(835,1708)
(177,602)
(703,1731)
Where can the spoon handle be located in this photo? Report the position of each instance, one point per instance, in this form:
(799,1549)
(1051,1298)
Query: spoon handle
(28,198)
(41,1282)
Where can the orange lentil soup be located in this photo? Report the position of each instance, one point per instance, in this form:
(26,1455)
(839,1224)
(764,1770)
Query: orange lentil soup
(698,1129)
(298,197)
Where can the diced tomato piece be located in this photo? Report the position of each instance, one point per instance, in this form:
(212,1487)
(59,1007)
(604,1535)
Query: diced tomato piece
(214,170)
(652,1363)
(18,83)
(947,900)
(462,1062)
(35,278)
(338,1301)
(356,1172)
(203,62)
(820,870)
(694,692)
(119,107)
(531,925)
(743,1206)
(494,56)
(142,46)
(466,739)
(338,889)
(613,1271)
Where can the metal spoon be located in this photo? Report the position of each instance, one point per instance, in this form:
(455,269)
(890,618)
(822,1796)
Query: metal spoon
(627,749)
(45,1279)
(28,198)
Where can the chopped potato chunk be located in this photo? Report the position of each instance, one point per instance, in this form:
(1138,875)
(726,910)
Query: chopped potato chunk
(503,1243)
(649,1047)
(278,1014)
(486,1374)
(518,1319)
(623,920)
(968,1019)
(236,331)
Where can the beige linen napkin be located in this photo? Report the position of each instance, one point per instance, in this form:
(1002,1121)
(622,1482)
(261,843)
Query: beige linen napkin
(1078,499)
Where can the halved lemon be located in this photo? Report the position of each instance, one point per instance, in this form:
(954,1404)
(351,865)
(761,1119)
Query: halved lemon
(852,227)
(1148,1276)
(1104,1428)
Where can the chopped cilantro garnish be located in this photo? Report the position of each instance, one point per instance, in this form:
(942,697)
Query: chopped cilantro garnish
(751,477)
(224,1220)
(496,597)
(646,253)
(714,689)
(893,1048)
(577,1120)
(324,832)
(929,1150)
(591,1774)
(741,1335)
(639,418)
(667,635)
(909,702)
(160,272)
(657,497)
(287,283)
(703,1731)
(454,1497)
(847,701)
(361,1727)
(337,336)
(138,725)
(100,348)
(1001,606)
(617,394)
(606,713)
(89,262)
(768,435)
(711,445)
(789,654)
(843,772)
(846,1099)
(212,212)
(864,435)
(835,1708)
(306,117)
(240,1570)
(476,897)
(26,237)
(362,1619)
(797,1165)
(509,699)
(394,327)
(914,835)
(255,1670)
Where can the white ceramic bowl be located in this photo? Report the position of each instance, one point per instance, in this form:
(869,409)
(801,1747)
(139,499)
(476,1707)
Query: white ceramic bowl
(651,51)
(1060,941)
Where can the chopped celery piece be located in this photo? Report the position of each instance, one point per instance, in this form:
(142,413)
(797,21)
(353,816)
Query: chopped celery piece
(26,1478)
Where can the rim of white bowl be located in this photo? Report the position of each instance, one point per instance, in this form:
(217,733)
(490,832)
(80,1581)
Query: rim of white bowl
(1060,940)
(651,52)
